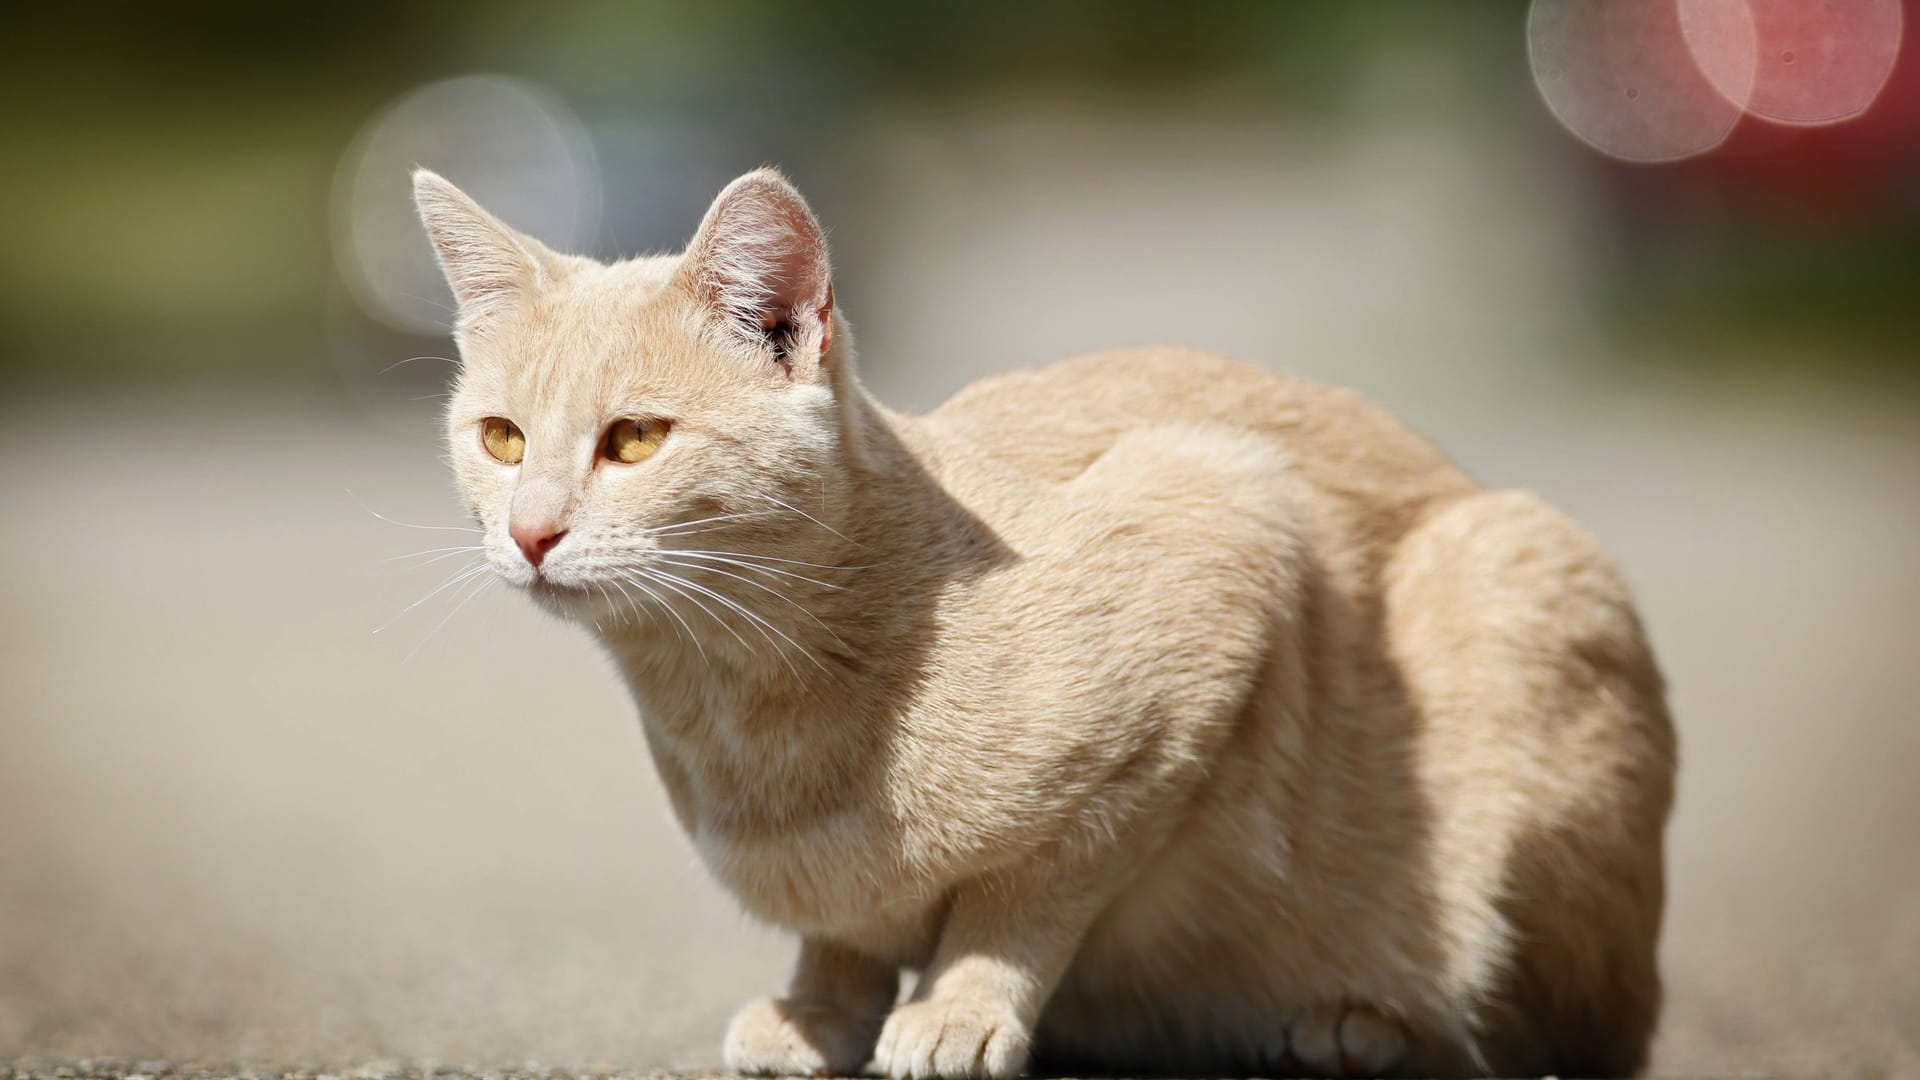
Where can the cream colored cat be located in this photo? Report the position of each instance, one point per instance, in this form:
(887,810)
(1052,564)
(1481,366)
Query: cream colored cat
(1162,714)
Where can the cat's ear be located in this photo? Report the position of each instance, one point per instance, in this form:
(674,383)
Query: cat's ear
(759,263)
(488,263)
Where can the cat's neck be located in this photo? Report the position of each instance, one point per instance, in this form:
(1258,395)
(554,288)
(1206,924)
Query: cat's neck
(738,647)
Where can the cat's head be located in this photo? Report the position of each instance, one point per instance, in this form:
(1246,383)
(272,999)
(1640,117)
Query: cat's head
(608,419)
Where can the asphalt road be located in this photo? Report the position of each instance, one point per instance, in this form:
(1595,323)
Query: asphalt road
(238,824)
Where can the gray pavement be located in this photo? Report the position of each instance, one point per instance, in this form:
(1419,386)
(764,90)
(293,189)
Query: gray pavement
(238,824)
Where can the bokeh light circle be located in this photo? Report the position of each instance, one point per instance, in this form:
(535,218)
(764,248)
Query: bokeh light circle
(1624,77)
(1818,61)
(510,143)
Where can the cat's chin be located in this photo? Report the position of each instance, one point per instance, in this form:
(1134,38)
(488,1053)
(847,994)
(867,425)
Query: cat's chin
(568,601)
(584,605)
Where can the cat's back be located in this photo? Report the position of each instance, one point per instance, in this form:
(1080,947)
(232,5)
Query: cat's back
(1363,478)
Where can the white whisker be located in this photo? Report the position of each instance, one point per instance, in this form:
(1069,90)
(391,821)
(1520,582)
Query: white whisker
(669,581)
(810,517)
(679,527)
(411,359)
(751,617)
(634,605)
(768,558)
(485,584)
(608,597)
(784,598)
(408,524)
(669,609)
(437,553)
(714,556)
(458,576)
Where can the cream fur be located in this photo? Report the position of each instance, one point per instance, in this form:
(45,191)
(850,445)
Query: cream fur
(1163,714)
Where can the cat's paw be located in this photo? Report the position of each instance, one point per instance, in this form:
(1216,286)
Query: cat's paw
(924,1040)
(775,1037)
(1347,1040)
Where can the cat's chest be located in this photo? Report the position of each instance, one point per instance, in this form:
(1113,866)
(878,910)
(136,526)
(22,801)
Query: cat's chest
(795,832)
(837,876)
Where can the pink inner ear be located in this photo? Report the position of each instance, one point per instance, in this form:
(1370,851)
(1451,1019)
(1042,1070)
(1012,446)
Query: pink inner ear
(826,321)
(762,263)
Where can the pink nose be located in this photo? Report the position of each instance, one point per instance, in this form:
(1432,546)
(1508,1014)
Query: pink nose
(535,540)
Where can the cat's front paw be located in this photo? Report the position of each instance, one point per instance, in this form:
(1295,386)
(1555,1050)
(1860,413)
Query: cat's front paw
(775,1037)
(925,1040)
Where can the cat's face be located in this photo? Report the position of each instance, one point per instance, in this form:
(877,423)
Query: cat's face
(621,431)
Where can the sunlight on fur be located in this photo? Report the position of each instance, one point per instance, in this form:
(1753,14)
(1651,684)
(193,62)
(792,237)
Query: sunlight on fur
(1160,713)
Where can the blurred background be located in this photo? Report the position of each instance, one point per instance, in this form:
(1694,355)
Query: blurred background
(265,795)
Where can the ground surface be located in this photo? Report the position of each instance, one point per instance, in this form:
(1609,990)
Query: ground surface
(236,824)
(167,1070)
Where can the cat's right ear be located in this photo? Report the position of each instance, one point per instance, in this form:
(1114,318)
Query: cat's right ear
(488,263)
(759,262)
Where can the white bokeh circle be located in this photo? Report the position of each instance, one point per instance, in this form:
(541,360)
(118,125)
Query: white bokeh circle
(511,144)
(1623,76)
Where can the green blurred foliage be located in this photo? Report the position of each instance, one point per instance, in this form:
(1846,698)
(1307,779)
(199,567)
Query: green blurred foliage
(170,163)
(168,166)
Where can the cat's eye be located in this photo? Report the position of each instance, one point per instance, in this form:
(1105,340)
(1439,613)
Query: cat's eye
(503,440)
(632,441)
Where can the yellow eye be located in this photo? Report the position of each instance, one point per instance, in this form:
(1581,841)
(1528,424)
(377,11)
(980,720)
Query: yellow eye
(503,440)
(630,441)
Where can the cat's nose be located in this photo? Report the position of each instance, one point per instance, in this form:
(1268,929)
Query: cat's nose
(535,538)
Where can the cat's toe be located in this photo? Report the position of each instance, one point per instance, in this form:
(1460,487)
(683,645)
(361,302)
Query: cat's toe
(774,1037)
(928,1040)
(1347,1040)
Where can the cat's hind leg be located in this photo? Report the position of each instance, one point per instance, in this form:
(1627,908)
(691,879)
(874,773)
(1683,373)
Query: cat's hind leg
(1547,756)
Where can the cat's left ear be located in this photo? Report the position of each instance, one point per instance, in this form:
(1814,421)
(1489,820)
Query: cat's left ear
(759,263)
(489,264)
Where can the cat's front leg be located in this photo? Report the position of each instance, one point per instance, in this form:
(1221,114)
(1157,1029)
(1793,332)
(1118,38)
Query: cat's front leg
(1004,946)
(827,1023)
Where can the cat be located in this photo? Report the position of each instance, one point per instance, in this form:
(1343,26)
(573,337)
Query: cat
(1161,713)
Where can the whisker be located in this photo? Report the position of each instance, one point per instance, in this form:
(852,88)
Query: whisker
(765,589)
(751,618)
(669,609)
(668,581)
(768,558)
(485,584)
(408,524)
(679,526)
(671,581)
(437,558)
(608,597)
(458,576)
(634,605)
(441,304)
(436,553)
(411,359)
(716,557)
(815,520)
